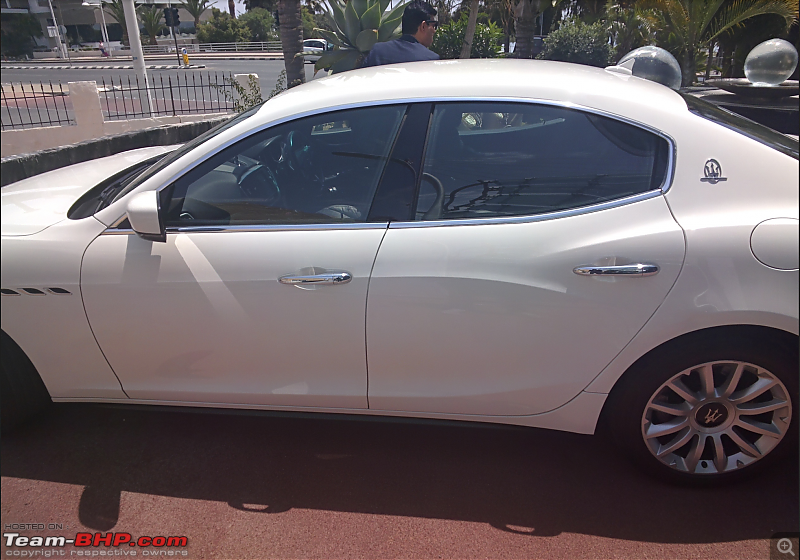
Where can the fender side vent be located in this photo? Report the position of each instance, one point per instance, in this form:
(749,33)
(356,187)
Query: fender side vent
(33,291)
(59,291)
(8,292)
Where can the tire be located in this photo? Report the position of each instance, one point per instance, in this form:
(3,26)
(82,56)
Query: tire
(22,392)
(709,408)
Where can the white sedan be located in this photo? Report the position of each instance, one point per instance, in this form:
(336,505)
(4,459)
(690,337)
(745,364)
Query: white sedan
(530,243)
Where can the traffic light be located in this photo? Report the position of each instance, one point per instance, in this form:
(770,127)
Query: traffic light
(171,17)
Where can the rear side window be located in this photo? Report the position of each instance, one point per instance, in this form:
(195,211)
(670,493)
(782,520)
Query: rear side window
(746,127)
(486,160)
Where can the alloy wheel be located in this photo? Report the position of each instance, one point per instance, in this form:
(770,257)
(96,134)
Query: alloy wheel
(716,417)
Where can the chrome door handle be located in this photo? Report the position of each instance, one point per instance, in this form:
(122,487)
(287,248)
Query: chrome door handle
(637,270)
(317,279)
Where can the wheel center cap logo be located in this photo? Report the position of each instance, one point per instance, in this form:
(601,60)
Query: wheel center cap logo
(711,415)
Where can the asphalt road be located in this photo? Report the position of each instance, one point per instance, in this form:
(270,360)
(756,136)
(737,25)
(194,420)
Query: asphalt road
(255,486)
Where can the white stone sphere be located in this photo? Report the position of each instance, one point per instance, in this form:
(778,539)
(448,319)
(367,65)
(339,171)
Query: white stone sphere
(770,63)
(655,64)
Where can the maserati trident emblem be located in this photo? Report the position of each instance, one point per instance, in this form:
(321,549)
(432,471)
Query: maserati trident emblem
(712,415)
(712,172)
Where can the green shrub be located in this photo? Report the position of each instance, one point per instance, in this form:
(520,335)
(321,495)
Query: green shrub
(450,37)
(222,28)
(260,23)
(579,43)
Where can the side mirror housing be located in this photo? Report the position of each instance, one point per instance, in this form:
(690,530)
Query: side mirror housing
(144,214)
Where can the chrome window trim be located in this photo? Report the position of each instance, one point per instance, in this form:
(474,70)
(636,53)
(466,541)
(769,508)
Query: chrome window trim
(664,188)
(406,101)
(259,228)
(532,218)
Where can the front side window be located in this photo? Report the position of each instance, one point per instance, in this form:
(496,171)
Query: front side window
(487,160)
(320,169)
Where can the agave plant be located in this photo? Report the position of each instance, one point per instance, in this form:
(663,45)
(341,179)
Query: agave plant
(358,25)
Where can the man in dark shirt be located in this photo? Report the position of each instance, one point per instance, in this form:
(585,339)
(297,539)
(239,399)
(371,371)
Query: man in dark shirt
(419,25)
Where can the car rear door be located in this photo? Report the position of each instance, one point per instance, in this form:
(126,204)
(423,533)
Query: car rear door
(537,244)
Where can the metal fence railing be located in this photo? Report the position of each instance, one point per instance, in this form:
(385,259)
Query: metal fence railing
(259,46)
(34,105)
(127,98)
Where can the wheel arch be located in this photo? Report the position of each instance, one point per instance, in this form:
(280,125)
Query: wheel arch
(767,335)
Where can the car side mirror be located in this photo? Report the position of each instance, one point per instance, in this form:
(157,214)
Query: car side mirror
(145,216)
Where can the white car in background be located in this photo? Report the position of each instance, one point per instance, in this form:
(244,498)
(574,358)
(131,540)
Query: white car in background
(313,49)
(520,242)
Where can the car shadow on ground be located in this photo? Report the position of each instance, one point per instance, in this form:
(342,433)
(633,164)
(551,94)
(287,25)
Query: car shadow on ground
(511,478)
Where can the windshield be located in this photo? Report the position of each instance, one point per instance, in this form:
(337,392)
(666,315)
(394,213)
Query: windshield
(186,148)
(746,127)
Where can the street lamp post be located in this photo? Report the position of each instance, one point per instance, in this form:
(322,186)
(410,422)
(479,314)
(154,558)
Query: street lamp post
(136,48)
(61,48)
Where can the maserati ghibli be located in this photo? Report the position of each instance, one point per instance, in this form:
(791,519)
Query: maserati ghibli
(523,242)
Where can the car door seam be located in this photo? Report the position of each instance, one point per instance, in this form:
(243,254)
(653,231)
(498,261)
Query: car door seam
(86,313)
(366,307)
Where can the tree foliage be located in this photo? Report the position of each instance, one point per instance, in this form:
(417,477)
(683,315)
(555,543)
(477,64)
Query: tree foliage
(270,5)
(526,12)
(580,43)
(17,34)
(196,8)
(261,24)
(688,25)
(115,10)
(450,37)
(151,17)
(222,28)
(629,27)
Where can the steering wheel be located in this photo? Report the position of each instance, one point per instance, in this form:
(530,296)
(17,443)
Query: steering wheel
(259,182)
(435,211)
(287,152)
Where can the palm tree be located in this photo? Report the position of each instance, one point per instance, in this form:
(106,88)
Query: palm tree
(151,20)
(196,9)
(525,14)
(469,34)
(115,10)
(232,8)
(628,27)
(291,26)
(691,24)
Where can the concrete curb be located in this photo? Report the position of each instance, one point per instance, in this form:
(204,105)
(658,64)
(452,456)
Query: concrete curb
(16,168)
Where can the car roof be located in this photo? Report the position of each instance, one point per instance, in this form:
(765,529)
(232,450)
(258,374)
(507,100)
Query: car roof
(571,84)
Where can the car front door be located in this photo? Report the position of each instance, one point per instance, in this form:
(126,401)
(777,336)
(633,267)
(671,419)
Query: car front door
(538,245)
(258,295)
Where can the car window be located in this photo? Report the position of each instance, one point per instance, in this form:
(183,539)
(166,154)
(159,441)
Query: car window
(186,148)
(320,169)
(743,126)
(486,160)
